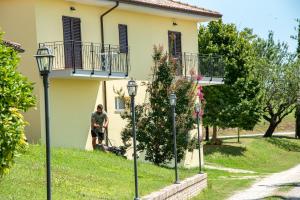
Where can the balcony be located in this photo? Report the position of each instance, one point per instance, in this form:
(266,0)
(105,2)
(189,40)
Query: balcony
(210,67)
(88,60)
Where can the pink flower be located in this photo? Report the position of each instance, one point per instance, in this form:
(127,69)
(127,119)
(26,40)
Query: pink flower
(199,78)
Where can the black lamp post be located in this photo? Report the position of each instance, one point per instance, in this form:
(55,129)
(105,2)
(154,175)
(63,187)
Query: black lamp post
(132,90)
(173,105)
(44,59)
(197,111)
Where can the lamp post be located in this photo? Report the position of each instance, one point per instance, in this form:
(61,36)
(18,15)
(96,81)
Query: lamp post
(132,90)
(173,105)
(197,111)
(44,59)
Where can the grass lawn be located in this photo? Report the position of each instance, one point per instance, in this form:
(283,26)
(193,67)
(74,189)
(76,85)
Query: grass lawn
(80,175)
(256,154)
(85,175)
(287,125)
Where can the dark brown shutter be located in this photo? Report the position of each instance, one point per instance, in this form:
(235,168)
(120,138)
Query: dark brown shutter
(123,38)
(177,43)
(72,42)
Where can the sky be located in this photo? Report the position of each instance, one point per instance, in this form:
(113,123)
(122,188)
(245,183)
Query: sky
(260,15)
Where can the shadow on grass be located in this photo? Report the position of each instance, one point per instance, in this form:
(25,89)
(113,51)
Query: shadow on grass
(293,184)
(284,144)
(280,197)
(224,149)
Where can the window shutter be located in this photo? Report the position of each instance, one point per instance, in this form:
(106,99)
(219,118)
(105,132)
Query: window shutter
(177,43)
(72,42)
(76,29)
(67,28)
(123,38)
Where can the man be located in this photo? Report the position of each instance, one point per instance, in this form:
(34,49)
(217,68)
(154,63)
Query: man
(99,122)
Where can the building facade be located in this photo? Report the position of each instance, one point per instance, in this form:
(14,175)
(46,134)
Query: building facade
(98,45)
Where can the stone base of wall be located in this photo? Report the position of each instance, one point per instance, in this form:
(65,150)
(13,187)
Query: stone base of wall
(186,189)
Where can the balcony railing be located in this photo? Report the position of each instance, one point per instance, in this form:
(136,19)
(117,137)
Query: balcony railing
(209,66)
(93,57)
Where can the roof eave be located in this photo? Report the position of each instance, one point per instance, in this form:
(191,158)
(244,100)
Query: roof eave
(214,15)
(17,47)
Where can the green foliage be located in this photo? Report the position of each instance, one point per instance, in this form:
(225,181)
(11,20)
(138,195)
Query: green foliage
(15,97)
(278,73)
(297,113)
(154,121)
(234,104)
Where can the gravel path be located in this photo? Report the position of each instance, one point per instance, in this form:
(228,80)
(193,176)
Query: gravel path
(229,169)
(268,186)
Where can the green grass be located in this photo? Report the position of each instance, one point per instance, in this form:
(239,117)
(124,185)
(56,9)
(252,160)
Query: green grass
(222,184)
(82,175)
(287,125)
(256,154)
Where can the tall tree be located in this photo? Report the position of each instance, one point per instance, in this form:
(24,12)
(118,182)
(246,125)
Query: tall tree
(297,113)
(278,73)
(15,98)
(153,118)
(233,104)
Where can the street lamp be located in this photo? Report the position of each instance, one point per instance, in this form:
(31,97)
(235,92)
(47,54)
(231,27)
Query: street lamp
(173,105)
(132,90)
(197,111)
(44,59)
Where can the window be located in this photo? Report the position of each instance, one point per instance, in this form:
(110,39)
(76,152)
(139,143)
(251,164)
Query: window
(174,43)
(123,38)
(119,104)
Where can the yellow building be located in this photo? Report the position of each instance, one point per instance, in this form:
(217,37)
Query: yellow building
(98,45)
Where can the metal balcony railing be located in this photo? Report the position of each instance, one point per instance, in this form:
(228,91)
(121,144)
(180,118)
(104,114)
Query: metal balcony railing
(211,66)
(94,57)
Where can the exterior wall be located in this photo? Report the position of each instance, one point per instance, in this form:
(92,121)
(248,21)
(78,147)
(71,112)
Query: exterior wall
(72,103)
(73,100)
(116,122)
(192,158)
(144,31)
(17,20)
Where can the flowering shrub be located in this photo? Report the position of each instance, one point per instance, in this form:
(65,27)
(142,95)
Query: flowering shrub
(154,119)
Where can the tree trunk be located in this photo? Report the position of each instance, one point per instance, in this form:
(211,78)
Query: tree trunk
(206,133)
(214,136)
(298,122)
(271,129)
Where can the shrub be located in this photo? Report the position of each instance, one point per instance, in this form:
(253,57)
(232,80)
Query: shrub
(15,97)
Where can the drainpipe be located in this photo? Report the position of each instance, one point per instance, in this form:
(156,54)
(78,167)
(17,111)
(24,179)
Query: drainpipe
(102,50)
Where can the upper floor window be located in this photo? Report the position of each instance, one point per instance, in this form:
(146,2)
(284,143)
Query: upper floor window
(123,38)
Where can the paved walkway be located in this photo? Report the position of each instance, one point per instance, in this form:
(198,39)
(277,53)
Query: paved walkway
(232,170)
(256,134)
(272,186)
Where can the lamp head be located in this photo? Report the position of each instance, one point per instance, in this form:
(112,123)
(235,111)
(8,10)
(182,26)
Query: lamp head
(173,99)
(197,107)
(44,58)
(132,87)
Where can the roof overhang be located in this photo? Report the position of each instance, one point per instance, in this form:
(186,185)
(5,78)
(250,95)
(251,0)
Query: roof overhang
(146,9)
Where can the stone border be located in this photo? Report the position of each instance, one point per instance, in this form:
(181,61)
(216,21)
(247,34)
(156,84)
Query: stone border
(186,189)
